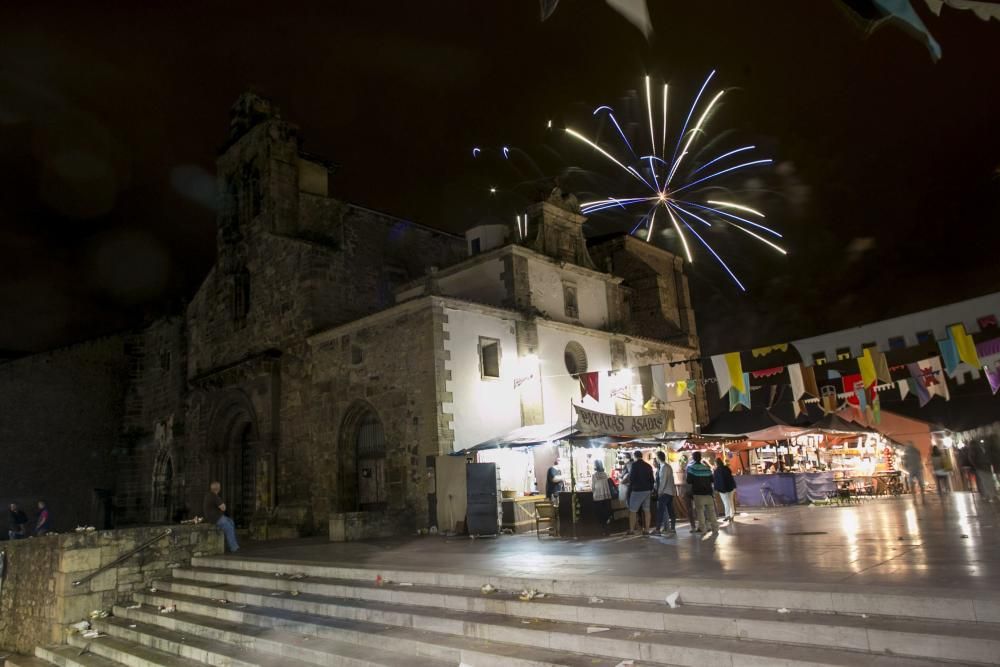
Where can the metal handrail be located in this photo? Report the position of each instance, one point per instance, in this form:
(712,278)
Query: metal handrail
(124,557)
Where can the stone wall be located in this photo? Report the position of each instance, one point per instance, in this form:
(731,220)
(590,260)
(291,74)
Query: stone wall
(388,364)
(60,418)
(37,596)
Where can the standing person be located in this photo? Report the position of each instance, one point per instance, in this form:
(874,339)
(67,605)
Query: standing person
(554,482)
(979,457)
(215,513)
(914,467)
(641,481)
(683,494)
(938,463)
(699,477)
(18,523)
(725,484)
(44,523)
(600,486)
(624,489)
(666,489)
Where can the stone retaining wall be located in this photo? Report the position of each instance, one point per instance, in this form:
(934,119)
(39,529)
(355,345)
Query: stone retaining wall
(37,596)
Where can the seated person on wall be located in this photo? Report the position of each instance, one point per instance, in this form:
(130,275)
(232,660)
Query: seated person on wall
(44,522)
(215,513)
(18,522)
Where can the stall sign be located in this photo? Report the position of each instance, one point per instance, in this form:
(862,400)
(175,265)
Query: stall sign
(591,421)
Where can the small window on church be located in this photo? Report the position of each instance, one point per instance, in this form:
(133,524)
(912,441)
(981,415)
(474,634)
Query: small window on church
(843,353)
(477,246)
(819,358)
(897,343)
(925,337)
(357,355)
(569,299)
(241,295)
(489,358)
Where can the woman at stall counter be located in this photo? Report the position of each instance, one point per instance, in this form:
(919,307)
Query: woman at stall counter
(600,485)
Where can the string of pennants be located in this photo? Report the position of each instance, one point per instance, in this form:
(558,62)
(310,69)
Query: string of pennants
(856,382)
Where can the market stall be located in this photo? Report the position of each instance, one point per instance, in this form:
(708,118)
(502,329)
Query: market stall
(524,457)
(787,465)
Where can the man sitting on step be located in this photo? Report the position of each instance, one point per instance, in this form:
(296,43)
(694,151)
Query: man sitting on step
(215,512)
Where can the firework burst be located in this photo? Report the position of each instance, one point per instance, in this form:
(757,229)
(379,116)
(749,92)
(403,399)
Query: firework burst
(675,187)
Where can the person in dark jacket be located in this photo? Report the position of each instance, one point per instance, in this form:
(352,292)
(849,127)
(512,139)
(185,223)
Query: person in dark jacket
(16,530)
(699,478)
(725,484)
(641,482)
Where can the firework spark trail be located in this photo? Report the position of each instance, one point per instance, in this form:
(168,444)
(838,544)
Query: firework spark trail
(663,192)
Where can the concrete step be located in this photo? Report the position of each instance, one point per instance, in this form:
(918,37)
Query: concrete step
(659,646)
(34,661)
(304,637)
(128,653)
(72,656)
(210,651)
(969,642)
(930,604)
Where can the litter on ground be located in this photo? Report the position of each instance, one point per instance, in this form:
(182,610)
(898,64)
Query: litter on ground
(783,610)
(595,600)
(673,599)
(594,628)
(486,589)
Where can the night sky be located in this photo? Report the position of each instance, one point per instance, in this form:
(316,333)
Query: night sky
(886,181)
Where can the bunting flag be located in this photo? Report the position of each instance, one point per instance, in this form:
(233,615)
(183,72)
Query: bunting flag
(729,372)
(797,408)
(949,355)
(928,380)
(589,385)
(988,348)
(867,367)
(795,376)
(877,409)
(768,349)
(851,384)
(737,397)
(882,371)
(658,374)
(904,388)
(964,344)
(809,380)
(993,375)
(682,387)
(828,394)
(860,399)
(767,372)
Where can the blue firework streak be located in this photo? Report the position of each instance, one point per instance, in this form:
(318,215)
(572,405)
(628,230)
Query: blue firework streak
(668,182)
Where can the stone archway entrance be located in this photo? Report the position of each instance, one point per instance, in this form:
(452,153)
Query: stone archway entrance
(363,461)
(234,454)
(164,499)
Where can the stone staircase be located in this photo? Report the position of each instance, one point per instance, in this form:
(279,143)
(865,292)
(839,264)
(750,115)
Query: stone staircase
(245,613)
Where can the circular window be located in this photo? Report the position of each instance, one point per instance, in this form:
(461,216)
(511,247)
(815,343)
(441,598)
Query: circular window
(576,358)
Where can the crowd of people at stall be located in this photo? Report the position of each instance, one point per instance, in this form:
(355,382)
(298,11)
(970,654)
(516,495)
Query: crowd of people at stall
(649,491)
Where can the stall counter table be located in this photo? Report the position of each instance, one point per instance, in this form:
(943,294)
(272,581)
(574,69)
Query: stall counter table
(519,513)
(784,488)
(589,524)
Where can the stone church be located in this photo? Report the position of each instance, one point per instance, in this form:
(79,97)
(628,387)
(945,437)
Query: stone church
(333,355)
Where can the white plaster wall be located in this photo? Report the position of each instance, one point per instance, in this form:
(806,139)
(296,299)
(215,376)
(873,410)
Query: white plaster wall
(558,387)
(639,354)
(546,284)
(936,319)
(482,408)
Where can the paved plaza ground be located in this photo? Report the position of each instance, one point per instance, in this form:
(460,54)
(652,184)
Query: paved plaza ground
(952,543)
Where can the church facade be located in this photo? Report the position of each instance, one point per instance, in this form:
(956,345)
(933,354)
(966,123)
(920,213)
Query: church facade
(333,355)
